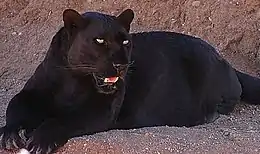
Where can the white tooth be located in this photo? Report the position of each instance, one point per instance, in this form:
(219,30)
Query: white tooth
(106,80)
(116,79)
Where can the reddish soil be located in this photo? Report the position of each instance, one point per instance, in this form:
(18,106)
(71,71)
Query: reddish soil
(232,26)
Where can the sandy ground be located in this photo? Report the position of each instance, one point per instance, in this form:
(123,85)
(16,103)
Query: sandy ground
(232,26)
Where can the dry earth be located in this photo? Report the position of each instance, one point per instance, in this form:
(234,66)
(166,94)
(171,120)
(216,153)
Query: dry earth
(232,26)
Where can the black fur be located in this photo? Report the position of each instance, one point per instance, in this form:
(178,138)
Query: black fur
(166,78)
(250,88)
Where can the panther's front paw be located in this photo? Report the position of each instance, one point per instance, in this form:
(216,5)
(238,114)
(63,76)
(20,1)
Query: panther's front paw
(45,139)
(40,144)
(11,138)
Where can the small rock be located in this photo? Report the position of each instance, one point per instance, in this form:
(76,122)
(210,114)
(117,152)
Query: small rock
(196,3)
(258,14)
(226,133)
(146,134)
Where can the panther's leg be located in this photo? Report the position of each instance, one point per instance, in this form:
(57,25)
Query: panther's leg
(212,113)
(24,113)
(226,106)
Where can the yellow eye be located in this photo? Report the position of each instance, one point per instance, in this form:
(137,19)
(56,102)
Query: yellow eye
(125,42)
(100,41)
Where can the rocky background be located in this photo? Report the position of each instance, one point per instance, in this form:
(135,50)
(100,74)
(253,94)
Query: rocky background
(232,26)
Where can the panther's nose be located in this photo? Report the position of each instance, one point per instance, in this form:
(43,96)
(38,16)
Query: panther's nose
(120,67)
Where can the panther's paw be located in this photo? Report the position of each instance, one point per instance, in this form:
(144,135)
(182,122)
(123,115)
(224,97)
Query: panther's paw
(11,138)
(45,139)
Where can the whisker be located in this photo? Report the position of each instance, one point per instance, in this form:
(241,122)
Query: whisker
(131,63)
(74,67)
(80,67)
(84,65)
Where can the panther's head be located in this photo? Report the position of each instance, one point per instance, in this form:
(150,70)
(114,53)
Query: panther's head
(100,45)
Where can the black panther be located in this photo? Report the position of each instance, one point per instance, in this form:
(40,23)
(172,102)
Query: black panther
(97,76)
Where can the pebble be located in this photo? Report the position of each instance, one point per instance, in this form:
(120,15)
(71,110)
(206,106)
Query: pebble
(258,14)
(196,3)
(3,90)
(226,133)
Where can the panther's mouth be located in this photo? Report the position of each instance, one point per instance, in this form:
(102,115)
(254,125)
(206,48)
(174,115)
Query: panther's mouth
(106,85)
(111,80)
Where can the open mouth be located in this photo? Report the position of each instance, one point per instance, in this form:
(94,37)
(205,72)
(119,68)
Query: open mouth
(107,85)
(111,80)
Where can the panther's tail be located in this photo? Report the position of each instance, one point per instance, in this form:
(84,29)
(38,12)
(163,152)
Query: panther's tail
(250,88)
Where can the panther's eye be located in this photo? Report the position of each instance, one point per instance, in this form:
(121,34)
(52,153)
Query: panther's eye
(125,42)
(100,41)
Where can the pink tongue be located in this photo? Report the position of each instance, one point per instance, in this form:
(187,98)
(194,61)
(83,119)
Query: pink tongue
(111,79)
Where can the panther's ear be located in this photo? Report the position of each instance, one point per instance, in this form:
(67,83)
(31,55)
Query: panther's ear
(125,18)
(72,18)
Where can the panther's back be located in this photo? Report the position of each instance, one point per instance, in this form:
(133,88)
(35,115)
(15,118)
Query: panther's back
(176,80)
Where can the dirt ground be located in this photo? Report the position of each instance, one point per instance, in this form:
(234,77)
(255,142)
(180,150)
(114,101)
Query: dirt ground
(232,26)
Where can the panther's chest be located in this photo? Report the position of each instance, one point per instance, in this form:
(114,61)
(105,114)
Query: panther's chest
(72,92)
